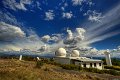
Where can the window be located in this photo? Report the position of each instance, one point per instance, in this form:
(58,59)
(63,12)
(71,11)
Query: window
(99,64)
(94,64)
(90,64)
(84,65)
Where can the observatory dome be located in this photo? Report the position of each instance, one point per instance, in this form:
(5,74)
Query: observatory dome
(61,52)
(75,53)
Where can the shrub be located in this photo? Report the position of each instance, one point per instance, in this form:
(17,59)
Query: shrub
(39,64)
(112,67)
(46,69)
(94,70)
(70,67)
(115,61)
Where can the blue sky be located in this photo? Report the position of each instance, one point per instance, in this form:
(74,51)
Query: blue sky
(48,17)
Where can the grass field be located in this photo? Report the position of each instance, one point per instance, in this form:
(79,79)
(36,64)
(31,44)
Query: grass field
(12,69)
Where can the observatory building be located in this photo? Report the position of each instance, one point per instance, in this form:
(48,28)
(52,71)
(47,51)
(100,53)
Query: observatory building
(74,58)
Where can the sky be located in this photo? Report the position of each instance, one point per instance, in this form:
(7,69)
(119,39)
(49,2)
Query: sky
(34,23)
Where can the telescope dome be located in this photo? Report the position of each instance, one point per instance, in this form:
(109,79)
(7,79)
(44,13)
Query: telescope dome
(61,52)
(75,53)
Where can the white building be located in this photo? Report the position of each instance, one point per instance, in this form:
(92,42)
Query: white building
(76,60)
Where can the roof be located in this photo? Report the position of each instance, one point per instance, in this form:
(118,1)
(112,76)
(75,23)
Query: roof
(85,59)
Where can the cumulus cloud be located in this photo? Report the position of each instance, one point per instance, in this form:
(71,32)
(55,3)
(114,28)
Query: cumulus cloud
(15,5)
(9,32)
(70,34)
(67,15)
(74,39)
(94,16)
(46,38)
(80,33)
(55,38)
(80,2)
(49,15)
(77,2)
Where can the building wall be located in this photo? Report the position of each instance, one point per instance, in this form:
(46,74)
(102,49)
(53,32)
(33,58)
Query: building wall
(88,65)
(62,60)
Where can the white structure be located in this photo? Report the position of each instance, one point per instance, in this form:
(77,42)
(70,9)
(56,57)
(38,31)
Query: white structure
(108,58)
(75,53)
(38,58)
(76,60)
(20,58)
(61,52)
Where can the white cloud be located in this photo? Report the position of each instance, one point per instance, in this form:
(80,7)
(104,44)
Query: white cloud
(97,31)
(63,8)
(49,15)
(46,38)
(65,4)
(8,17)
(70,34)
(80,33)
(14,5)
(80,2)
(67,15)
(75,39)
(38,5)
(9,32)
(55,38)
(77,2)
(94,16)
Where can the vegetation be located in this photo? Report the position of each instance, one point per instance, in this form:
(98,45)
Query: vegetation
(112,67)
(70,67)
(115,61)
(28,58)
(79,68)
(25,70)
(39,64)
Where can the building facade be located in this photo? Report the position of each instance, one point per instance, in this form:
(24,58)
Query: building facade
(81,61)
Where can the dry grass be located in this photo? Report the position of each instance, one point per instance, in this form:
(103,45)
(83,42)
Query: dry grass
(26,70)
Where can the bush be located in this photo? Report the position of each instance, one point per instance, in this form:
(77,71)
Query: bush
(70,67)
(112,67)
(39,64)
(95,70)
(115,61)
(46,69)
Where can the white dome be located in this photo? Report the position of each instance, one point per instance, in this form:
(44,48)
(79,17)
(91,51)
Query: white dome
(75,53)
(61,52)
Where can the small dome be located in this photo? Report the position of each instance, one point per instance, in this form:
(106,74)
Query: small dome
(61,52)
(75,53)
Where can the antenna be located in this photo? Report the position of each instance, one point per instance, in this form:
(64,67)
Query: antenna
(38,58)
(20,58)
(108,58)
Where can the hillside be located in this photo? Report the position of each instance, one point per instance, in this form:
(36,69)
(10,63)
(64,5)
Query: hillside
(12,69)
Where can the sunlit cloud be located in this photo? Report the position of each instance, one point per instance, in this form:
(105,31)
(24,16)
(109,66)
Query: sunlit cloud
(67,15)
(14,5)
(49,15)
(95,31)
